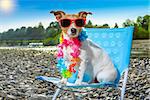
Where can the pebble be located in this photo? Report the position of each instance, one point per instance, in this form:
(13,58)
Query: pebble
(39,97)
(20,67)
(148,91)
(11,97)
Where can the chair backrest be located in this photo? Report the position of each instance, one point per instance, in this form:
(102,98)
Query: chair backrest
(116,42)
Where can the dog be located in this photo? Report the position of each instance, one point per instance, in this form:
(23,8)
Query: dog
(94,61)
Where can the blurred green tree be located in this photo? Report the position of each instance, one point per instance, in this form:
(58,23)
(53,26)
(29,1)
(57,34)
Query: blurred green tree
(105,26)
(116,25)
(128,22)
(139,21)
(89,24)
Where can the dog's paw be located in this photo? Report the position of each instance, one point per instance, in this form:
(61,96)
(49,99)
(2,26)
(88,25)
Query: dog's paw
(78,82)
(63,81)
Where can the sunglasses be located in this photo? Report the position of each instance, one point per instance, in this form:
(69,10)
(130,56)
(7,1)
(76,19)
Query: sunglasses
(67,22)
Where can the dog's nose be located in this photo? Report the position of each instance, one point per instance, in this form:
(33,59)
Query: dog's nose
(73,30)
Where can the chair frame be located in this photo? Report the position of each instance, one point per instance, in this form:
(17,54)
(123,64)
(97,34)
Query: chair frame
(60,86)
(123,88)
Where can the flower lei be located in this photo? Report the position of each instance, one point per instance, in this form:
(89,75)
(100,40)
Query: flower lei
(75,44)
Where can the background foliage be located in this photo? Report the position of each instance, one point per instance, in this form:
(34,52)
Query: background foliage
(49,36)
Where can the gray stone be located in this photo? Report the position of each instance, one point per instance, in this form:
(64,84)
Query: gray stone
(1,88)
(148,91)
(11,97)
(147,98)
(38,97)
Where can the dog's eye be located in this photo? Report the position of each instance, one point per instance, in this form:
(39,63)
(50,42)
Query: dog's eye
(80,22)
(65,22)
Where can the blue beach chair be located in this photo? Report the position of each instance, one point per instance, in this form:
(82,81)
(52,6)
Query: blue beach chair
(117,43)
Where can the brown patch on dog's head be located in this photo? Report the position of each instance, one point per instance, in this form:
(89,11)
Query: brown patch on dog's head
(83,14)
(58,14)
(69,30)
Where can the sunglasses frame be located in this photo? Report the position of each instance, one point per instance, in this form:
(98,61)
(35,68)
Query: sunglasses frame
(72,20)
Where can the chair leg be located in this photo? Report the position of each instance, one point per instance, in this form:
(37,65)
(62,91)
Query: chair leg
(56,94)
(73,95)
(124,84)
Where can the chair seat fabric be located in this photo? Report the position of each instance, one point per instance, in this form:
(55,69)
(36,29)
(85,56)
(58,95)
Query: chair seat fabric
(92,85)
(116,42)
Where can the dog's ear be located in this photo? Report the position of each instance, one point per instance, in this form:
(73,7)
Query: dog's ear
(83,14)
(58,14)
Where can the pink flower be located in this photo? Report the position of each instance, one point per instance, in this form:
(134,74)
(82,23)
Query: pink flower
(75,54)
(60,54)
(75,48)
(76,42)
(67,42)
(60,46)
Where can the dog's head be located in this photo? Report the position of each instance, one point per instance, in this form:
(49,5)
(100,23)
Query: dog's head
(71,24)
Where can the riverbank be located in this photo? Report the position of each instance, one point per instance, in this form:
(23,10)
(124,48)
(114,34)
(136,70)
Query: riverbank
(140,48)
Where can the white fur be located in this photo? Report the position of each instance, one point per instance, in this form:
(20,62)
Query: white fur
(70,33)
(94,62)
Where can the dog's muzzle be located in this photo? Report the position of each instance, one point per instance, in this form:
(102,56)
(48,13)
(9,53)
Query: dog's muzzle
(73,31)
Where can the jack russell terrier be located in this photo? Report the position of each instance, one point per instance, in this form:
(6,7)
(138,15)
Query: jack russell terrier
(94,61)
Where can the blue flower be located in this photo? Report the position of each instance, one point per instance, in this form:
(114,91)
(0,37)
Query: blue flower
(61,64)
(82,36)
(60,60)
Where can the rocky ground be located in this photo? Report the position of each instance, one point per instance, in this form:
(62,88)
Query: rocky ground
(18,69)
